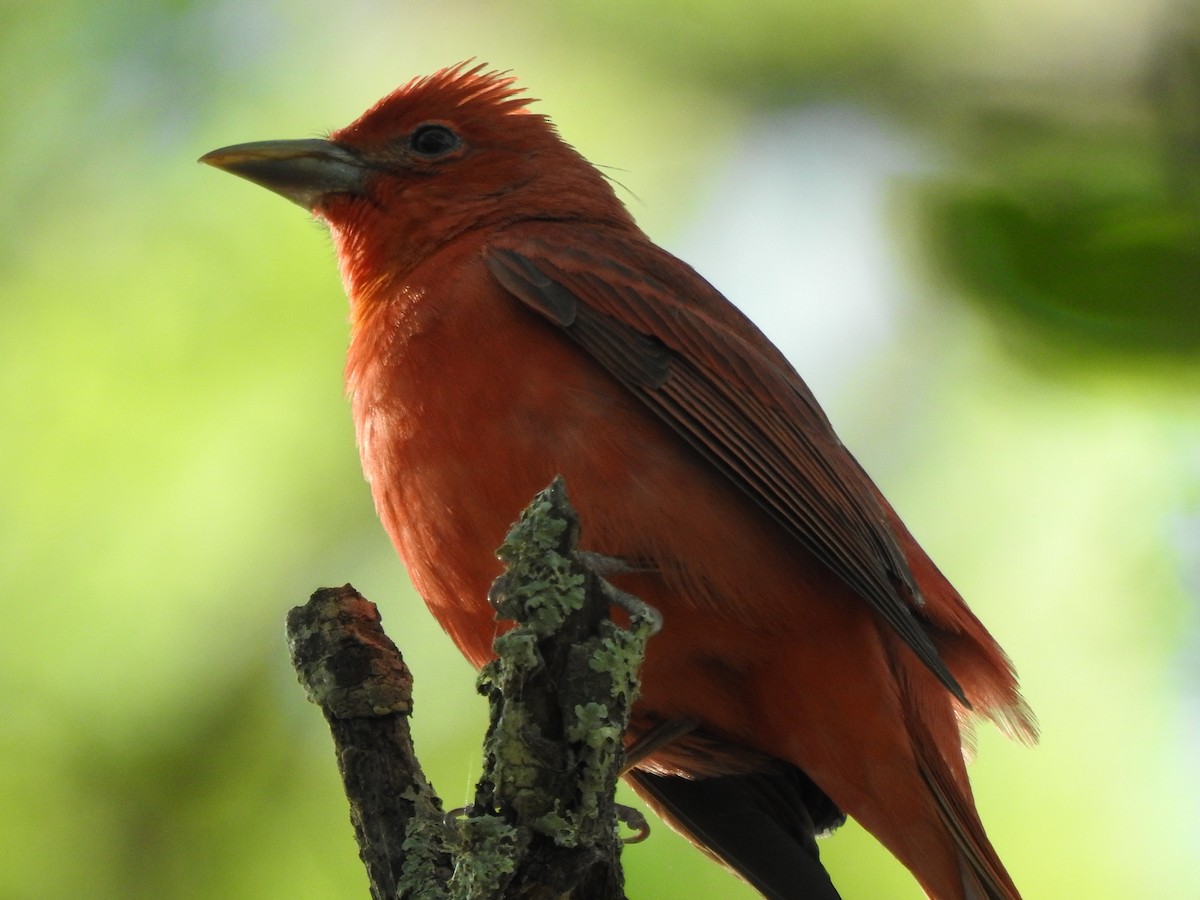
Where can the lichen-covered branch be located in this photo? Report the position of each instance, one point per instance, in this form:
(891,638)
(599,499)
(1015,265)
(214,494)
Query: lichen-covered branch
(353,671)
(544,821)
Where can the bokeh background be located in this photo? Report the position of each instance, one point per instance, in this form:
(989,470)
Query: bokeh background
(974,227)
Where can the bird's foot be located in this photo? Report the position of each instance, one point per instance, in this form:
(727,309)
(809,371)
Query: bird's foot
(605,566)
(633,819)
(656,738)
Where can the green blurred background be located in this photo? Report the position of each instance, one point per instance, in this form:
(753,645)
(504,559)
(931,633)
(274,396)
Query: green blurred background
(974,227)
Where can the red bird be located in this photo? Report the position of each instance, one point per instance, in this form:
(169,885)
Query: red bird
(510,322)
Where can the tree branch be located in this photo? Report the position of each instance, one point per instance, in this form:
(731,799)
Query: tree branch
(544,821)
(353,671)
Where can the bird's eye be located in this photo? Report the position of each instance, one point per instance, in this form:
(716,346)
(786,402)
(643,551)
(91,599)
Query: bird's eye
(433,140)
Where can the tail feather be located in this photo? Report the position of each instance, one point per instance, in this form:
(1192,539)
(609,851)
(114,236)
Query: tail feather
(762,825)
(942,768)
(984,876)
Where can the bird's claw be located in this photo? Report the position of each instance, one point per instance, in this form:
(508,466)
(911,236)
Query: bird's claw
(633,819)
(637,609)
(604,566)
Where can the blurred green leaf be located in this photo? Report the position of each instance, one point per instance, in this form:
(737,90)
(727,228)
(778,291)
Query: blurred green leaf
(1113,273)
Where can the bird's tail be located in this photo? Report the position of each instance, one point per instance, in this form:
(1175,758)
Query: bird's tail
(943,770)
(983,874)
(762,825)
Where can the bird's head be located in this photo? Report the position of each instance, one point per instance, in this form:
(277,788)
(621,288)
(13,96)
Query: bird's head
(443,155)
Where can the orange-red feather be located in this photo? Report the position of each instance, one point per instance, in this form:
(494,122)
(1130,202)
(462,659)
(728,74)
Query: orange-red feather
(510,323)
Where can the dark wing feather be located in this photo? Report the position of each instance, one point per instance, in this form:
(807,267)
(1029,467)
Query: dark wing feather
(706,371)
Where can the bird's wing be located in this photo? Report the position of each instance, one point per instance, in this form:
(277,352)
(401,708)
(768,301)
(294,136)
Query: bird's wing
(706,371)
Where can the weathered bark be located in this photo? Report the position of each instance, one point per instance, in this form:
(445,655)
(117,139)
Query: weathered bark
(544,821)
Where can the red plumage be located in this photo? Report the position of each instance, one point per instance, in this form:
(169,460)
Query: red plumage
(510,322)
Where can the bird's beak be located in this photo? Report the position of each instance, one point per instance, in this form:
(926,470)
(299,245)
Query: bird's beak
(302,171)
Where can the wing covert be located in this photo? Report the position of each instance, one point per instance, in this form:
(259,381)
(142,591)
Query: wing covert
(692,359)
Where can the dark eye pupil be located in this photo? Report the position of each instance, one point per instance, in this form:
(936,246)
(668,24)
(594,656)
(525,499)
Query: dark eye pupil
(433,140)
